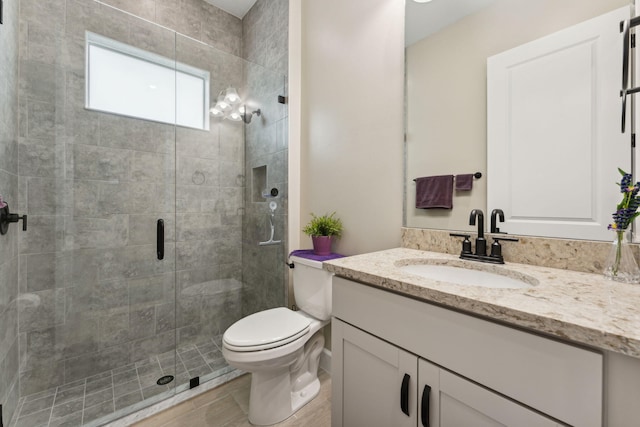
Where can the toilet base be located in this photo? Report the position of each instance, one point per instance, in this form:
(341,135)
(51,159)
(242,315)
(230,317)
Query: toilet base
(276,394)
(289,405)
(304,396)
(270,398)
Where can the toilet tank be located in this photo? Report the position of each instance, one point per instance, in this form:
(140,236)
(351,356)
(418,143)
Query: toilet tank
(312,287)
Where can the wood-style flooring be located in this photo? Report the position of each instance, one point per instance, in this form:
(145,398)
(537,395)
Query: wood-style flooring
(228,406)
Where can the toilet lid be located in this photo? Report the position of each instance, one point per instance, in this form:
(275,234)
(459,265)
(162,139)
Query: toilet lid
(266,329)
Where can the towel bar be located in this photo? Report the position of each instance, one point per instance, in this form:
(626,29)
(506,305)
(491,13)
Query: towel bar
(476,175)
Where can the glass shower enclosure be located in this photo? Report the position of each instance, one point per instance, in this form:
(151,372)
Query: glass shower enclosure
(142,207)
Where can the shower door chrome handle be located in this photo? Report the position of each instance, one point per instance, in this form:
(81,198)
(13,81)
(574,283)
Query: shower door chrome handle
(160,239)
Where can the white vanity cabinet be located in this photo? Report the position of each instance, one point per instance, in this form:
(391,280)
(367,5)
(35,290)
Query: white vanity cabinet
(480,373)
(383,385)
(454,401)
(372,380)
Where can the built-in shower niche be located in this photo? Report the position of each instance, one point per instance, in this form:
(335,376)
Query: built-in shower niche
(258,183)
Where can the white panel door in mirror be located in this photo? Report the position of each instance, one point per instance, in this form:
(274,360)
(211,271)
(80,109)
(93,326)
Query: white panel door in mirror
(554,141)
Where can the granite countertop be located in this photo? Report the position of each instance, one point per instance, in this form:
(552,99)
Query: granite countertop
(580,307)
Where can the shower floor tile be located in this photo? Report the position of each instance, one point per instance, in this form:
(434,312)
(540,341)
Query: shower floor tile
(84,402)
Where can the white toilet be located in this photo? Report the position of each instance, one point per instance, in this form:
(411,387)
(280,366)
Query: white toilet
(281,348)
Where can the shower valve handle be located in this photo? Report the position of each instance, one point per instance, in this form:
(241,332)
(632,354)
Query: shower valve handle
(7,218)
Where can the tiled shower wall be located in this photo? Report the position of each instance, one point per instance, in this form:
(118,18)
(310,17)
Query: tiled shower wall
(9,189)
(265,42)
(93,295)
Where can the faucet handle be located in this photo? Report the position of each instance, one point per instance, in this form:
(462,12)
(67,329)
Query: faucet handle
(496,247)
(505,239)
(466,243)
(7,217)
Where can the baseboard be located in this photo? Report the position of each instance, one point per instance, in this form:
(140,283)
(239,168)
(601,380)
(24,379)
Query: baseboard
(325,360)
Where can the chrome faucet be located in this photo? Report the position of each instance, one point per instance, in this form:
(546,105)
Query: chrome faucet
(481,243)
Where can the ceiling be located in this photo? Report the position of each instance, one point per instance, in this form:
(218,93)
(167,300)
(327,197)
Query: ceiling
(423,19)
(237,8)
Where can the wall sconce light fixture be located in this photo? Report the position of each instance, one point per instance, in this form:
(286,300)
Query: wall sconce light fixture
(246,116)
(225,103)
(229,106)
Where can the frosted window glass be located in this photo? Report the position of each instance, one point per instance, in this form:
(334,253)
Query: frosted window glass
(191,109)
(128,81)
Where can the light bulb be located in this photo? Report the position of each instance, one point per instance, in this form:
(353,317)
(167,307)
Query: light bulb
(231,96)
(216,112)
(222,104)
(235,116)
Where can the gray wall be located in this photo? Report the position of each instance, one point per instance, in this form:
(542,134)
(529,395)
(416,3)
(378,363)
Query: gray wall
(93,184)
(9,189)
(265,36)
(194,18)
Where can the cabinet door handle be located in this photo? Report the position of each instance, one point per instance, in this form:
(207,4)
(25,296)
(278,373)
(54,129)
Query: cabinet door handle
(404,394)
(160,239)
(426,393)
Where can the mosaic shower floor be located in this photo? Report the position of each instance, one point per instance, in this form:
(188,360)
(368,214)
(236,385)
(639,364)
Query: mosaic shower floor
(95,400)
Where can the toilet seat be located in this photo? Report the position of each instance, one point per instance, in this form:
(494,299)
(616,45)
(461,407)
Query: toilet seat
(265,330)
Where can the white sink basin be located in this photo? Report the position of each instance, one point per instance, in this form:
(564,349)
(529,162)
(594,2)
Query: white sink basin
(469,276)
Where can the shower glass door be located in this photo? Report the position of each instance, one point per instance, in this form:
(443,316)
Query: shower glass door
(116,147)
(97,302)
(224,207)
(222,213)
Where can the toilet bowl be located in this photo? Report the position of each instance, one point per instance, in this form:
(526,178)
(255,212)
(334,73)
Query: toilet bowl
(281,347)
(284,368)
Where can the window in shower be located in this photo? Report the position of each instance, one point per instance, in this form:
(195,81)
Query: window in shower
(129,81)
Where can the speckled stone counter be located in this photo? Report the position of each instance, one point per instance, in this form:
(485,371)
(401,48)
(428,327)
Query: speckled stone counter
(577,255)
(580,307)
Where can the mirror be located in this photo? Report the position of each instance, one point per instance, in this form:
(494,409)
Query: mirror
(446,87)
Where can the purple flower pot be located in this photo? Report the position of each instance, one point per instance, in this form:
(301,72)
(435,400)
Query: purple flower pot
(321,245)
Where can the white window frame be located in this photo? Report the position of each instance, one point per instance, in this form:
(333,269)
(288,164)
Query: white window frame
(96,40)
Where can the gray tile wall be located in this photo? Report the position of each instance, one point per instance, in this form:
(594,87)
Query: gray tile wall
(9,34)
(93,295)
(265,35)
(194,18)
(210,181)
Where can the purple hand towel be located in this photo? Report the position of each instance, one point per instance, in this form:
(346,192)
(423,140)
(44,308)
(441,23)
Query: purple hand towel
(464,182)
(434,192)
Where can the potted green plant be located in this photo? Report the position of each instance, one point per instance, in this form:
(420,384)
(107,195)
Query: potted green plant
(322,230)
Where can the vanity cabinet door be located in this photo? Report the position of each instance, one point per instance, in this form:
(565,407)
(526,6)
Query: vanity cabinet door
(374,382)
(377,384)
(455,401)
